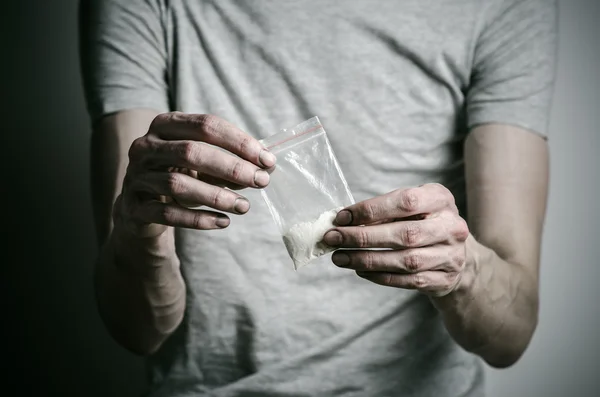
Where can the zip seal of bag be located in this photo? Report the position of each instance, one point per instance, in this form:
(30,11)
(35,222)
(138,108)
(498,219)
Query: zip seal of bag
(306,191)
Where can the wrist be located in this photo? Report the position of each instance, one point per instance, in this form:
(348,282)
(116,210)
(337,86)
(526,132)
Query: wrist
(465,289)
(149,258)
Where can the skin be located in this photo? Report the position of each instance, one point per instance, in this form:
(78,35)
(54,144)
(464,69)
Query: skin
(165,163)
(486,288)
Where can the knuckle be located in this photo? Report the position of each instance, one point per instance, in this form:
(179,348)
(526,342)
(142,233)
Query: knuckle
(413,262)
(367,260)
(175,183)
(137,148)
(410,235)
(459,260)
(245,144)
(206,123)
(219,199)
(160,119)
(368,212)
(459,263)
(166,215)
(189,151)
(445,193)
(362,237)
(409,200)
(451,200)
(199,221)
(439,187)
(236,171)
(450,281)
(420,281)
(462,230)
(388,279)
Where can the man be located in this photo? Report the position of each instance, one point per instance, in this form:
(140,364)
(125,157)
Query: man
(437,111)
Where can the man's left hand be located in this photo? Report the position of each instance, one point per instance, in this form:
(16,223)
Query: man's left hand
(422,234)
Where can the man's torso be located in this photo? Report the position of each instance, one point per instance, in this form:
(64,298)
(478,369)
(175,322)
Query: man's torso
(387,79)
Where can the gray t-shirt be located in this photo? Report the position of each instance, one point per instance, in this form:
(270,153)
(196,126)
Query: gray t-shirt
(397,85)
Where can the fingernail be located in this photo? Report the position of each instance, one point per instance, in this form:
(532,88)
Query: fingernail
(241,205)
(340,259)
(333,238)
(261,178)
(222,222)
(343,218)
(267,158)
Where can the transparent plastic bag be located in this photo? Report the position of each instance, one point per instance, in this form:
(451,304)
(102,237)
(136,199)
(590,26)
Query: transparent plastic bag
(307,189)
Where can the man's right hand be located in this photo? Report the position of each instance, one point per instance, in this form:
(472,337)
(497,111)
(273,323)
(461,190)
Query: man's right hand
(189,160)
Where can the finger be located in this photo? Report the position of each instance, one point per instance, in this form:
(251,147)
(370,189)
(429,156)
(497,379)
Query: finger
(186,171)
(209,160)
(171,214)
(438,257)
(431,282)
(401,203)
(396,235)
(213,130)
(211,180)
(185,189)
(222,183)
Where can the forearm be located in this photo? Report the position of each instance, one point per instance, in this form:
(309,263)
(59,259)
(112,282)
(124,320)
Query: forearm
(493,311)
(140,291)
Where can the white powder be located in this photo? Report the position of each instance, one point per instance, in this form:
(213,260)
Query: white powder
(303,240)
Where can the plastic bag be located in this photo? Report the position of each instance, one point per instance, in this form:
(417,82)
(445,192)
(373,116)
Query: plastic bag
(306,191)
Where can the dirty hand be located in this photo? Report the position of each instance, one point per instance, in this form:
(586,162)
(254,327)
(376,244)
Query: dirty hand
(422,230)
(180,163)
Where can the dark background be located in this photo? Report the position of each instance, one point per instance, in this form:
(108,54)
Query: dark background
(54,341)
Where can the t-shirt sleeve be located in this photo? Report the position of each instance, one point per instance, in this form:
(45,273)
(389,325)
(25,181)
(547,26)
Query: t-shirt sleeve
(514,65)
(123,55)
